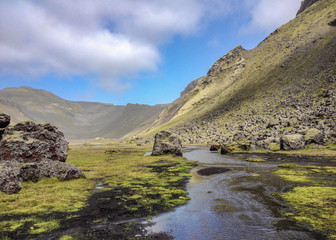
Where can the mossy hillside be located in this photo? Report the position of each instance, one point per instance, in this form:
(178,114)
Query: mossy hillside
(284,66)
(313,201)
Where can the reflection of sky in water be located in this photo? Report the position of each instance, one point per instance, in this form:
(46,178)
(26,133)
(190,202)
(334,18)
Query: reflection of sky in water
(216,211)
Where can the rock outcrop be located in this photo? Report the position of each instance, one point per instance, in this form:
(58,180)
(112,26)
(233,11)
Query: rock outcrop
(40,149)
(305,4)
(167,143)
(31,142)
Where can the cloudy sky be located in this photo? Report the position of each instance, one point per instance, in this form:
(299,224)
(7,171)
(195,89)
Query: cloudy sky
(130,51)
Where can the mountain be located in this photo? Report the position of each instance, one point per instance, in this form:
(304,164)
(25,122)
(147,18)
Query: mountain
(286,85)
(78,120)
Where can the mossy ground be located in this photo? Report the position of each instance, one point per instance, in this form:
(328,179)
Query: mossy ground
(314,199)
(142,185)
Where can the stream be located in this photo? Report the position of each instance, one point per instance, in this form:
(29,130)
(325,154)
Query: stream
(230,205)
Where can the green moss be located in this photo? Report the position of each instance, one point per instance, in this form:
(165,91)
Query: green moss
(274,146)
(149,185)
(44,226)
(254,175)
(288,165)
(67,237)
(315,202)
(254,160)
(314,205)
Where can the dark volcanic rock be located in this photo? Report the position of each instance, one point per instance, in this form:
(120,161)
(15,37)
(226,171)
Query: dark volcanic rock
(292,142)
(225,149)
(9,181)
(29,172)
(4,120)
(167,143)
(41,148)
(46,168)
(212,170)
(305,4)
(31,142)
(214,147)
(62,170)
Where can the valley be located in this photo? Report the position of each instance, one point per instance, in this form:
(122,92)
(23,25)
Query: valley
(248,151)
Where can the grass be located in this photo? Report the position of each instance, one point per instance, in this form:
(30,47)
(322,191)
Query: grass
(151,185)
(314,200)
(35,225)
(254,160)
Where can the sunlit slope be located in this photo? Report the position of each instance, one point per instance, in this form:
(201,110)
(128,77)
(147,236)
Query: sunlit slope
(295,62)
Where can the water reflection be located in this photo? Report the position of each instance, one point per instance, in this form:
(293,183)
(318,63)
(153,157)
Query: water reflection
(231,205)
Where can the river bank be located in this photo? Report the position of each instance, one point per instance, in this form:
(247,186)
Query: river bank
(244,195)
(256,196)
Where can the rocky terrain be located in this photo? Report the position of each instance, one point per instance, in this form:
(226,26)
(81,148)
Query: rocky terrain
(29,152)
(280,94)
(77,120)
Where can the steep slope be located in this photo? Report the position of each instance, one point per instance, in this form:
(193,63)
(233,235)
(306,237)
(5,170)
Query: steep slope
(283,86)
(78,120)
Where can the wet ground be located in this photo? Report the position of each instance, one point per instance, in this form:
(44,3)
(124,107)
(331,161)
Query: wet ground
(234,204)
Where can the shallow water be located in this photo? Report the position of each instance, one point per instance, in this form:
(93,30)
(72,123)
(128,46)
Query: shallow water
(230,205)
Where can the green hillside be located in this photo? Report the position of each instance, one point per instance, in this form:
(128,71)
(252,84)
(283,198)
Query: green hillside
(288,79)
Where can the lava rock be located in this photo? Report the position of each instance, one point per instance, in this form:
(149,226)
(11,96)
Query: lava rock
(31,142)
(4,120)
(225,149)
(167,143)
(9,181)
(29,172)
(292,142)
(63,171)
(214,148)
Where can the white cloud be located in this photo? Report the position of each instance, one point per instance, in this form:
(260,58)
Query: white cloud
(108,39)
(267,15)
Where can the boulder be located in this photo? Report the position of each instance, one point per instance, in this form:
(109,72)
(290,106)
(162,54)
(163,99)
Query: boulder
(31,142)
(273,122)
(167,143)
(4,120)
(9,181)
(292,142)
(314,135)
(63,171)
(214,148)
(46,168)
(41,149)
(225,149)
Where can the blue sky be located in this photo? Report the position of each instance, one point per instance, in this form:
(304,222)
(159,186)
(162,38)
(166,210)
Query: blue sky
(120,52)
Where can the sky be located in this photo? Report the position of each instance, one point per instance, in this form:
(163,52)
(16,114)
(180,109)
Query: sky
(129,51)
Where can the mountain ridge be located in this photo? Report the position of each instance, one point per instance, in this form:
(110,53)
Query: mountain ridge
(77,119)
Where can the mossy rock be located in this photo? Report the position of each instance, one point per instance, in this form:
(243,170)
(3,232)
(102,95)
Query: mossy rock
(314,135)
